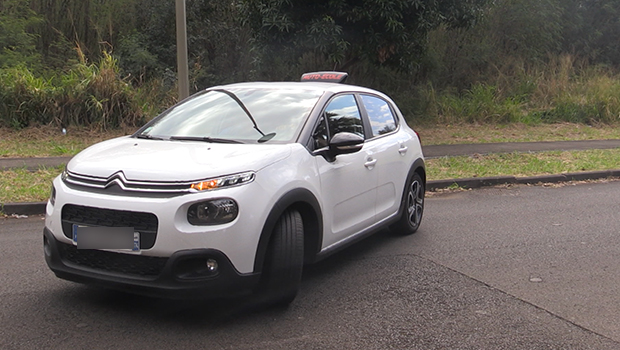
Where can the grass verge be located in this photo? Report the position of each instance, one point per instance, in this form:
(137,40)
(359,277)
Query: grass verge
(490,133)
(20,185)
(522,164)
(50,142)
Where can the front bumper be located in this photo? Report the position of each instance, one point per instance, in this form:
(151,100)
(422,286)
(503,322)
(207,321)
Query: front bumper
(183,275)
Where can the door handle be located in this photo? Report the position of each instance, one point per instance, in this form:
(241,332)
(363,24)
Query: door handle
(370,163)
(402,150)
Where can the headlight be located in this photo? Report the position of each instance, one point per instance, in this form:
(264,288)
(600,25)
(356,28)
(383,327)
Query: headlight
(213,212)
(224,181)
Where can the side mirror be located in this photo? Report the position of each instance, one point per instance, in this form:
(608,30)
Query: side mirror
(345,142)
(342,143)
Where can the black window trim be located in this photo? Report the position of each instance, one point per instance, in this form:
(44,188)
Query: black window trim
(366,118)
(321,116)
(315,119)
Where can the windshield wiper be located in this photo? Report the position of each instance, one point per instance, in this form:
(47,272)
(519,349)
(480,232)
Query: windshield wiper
(203,139)
(265,138)
(149,137)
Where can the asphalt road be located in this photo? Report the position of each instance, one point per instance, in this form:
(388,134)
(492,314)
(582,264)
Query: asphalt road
(512,268)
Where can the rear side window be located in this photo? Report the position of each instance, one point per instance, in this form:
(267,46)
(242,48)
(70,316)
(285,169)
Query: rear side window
(380,115)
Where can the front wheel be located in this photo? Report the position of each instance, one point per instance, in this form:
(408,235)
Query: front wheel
(284,261)
(412,206)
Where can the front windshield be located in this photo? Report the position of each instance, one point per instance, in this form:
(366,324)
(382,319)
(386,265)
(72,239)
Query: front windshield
(215,115)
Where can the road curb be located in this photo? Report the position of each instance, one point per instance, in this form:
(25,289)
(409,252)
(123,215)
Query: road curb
(477,182)
(28,208)
(36,208)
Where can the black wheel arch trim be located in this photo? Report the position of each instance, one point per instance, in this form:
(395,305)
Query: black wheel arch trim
(307,204)
(419,167)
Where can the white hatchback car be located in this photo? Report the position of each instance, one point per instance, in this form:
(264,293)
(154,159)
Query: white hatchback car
(233,189)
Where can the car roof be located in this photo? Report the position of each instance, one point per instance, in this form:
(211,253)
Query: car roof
(306,85)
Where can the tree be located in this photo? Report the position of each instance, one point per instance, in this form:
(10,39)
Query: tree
(344,32)
(592,29)
(17,41)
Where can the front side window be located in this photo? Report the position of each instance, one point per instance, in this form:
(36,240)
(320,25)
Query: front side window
(380,115)
(341,115)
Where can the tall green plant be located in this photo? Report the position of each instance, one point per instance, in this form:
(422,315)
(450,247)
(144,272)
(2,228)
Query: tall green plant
(91,95)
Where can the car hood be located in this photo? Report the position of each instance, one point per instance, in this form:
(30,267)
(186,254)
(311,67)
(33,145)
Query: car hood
(158,160)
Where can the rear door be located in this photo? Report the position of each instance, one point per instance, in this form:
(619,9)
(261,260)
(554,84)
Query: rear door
(389,148)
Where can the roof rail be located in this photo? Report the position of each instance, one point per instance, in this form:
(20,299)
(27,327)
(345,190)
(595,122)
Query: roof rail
(330,77)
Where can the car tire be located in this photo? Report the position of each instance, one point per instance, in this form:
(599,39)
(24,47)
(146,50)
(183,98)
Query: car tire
(412,206)
(284,261)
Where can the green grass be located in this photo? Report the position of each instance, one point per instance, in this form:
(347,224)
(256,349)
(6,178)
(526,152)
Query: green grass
(21,185)
(522,164)
(50,142)
(487,133)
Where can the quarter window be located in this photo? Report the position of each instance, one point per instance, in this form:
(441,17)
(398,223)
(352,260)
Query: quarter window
(380,114)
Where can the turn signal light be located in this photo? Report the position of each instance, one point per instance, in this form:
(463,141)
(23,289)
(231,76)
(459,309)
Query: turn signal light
(224,181)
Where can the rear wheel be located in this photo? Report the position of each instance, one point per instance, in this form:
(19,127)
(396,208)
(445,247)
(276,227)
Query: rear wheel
(412,206)
(284,262)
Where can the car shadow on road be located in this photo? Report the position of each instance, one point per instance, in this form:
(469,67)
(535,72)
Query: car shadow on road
(209,312)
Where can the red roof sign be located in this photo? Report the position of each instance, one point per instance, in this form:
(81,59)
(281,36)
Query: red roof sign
(331,77)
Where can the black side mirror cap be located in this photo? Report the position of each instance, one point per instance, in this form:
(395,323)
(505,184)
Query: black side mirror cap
(346,142)
(342,143)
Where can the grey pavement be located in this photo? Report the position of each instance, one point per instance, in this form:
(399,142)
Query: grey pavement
(430,151)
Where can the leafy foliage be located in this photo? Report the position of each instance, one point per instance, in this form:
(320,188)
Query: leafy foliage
(89,95)
(386,32)
(450,61)
(17,42)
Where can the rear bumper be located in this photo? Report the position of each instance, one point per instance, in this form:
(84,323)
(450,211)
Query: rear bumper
(183,275)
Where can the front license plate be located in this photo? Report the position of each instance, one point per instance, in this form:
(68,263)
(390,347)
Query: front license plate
(98,237)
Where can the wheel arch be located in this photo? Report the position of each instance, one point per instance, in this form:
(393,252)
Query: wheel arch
(306,203)
(420,168)
(417,167)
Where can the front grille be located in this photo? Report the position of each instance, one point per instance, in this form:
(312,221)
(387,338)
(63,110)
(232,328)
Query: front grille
(118,179)
(136,265)
(145,223)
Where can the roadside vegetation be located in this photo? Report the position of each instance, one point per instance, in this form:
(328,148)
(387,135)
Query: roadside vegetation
(112,64)
(522,164)
(21,185)
(461,71)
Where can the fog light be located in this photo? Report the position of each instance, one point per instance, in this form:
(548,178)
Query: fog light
(196,268)
(212,265)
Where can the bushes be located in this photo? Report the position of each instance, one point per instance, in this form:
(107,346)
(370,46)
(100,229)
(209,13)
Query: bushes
(92,95)
(562,90)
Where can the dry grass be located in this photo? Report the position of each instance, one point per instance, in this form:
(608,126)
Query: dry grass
(468,133)
(47,141)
